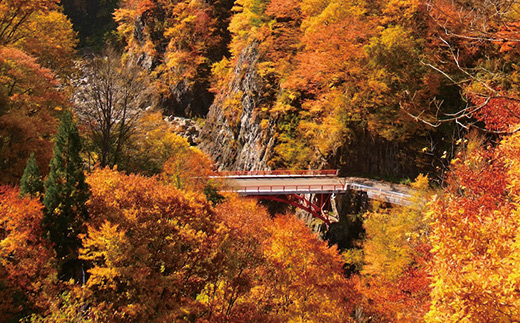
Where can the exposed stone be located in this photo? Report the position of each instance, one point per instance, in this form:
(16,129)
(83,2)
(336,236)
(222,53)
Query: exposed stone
(186,128)
(185,98)
(241,144)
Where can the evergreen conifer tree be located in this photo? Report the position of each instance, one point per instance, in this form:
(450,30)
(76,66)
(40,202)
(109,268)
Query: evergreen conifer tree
(31,183)
(66,193)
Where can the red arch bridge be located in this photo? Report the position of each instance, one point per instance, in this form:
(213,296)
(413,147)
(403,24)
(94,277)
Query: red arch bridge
(310,190)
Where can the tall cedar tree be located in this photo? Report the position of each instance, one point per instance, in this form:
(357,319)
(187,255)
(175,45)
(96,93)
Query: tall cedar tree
(66,193)
(31,183)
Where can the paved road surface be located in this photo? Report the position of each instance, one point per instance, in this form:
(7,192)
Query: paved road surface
(392,193)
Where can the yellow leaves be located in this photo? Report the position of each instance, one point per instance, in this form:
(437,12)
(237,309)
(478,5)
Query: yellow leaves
(421,182)
(265,69)
(264,124)
(155,142)
(473,230)
(219,74)
(146,239)
(306,271)
(27,260)
(188,169)
(387,252)
(232,108)
(51,38)
(400,11)
(105,244)
(393,261)
(378,87)
(248,20)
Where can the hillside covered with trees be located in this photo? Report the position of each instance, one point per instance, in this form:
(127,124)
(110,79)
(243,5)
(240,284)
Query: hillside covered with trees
(114,115)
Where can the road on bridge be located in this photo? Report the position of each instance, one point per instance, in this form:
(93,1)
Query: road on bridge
(273,185)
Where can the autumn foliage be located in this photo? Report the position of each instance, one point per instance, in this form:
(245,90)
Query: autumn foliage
(179,41)
(27,260)
(474,234)
(36,44)
(151,237)
(150,241)
(159,254)
(275,271)
(393,261)
(27,121)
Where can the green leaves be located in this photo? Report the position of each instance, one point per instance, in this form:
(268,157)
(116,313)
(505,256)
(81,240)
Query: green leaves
(66,192)
(31,183)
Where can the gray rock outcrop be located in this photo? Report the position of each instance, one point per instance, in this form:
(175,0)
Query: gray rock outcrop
(240,142)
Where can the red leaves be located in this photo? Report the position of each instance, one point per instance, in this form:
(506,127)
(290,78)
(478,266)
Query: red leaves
(28,123)
(150,240)
(28,83)
(475,229)
(278,271)
(500,111)
(26,259)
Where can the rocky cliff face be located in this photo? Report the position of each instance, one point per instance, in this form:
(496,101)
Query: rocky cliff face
(184,98)
(370,155)
(237,140)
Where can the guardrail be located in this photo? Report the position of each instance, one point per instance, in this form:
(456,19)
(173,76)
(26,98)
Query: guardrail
(391,197)
(291,189)
(277,173)
(373,193)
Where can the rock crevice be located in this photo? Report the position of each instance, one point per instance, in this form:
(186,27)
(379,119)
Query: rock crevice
(233,134)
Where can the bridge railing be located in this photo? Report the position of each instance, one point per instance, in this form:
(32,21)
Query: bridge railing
(283,189)
(373,193)
(383,195)
(277,173)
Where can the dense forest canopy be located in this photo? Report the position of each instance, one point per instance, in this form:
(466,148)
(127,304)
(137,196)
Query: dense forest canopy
(115,115)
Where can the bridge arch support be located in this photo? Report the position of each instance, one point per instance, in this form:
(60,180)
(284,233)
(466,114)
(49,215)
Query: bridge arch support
(316,208)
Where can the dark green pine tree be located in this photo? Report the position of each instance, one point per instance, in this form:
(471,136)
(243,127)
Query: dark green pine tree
(31,183)
(66,193)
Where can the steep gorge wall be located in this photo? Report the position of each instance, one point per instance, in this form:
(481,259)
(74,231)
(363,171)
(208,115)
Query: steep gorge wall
(233,134)
(177,42)
(235,138)
(368,155)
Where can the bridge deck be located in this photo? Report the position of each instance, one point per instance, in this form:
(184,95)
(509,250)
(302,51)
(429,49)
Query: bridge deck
(277,173)
(395,194)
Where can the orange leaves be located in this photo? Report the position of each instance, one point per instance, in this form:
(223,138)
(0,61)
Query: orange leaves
(39,28)
(394,280)
(275,271)
(190,35)
(507,36)
(143,6)
(180,40)
(26,81)
(33,34)
(149,240)
(27,272)
(159,254)
(154,142)
(304,277)
(475,226)
(500,113)
(285,10)
(188,168)
(353,72)
(27,123)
